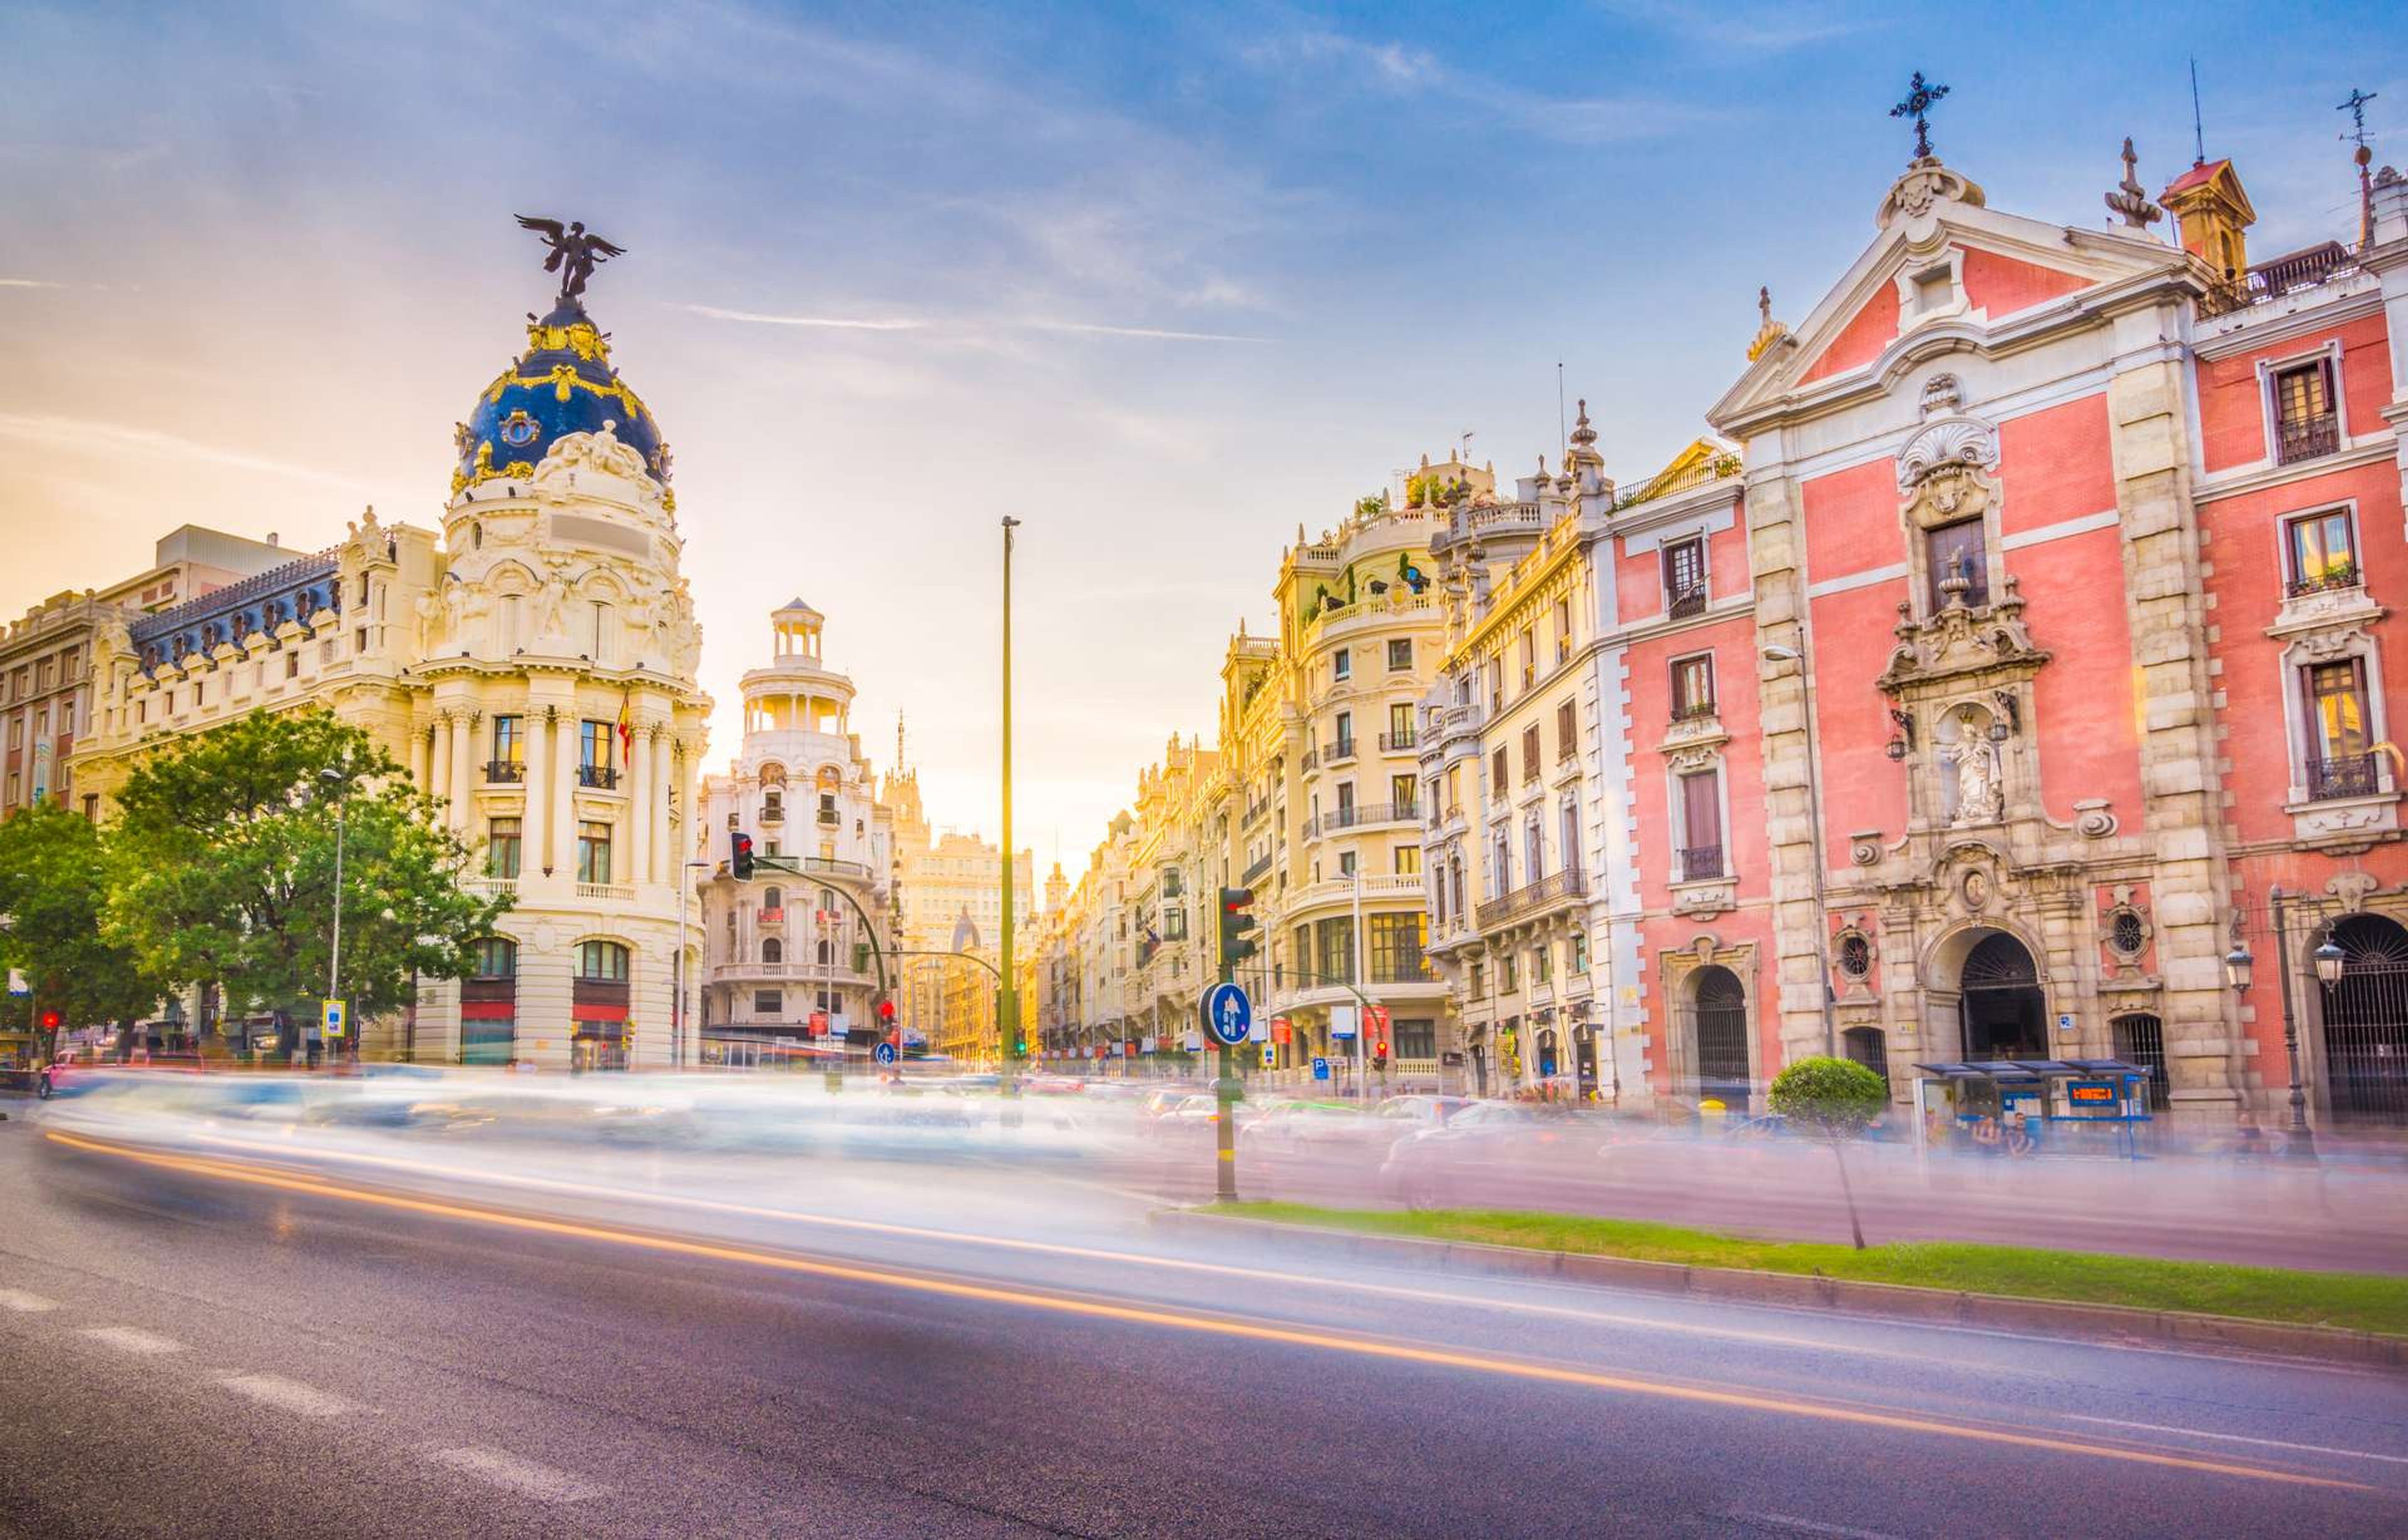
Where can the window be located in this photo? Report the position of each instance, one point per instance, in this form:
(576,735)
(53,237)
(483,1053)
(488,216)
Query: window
(1396,942)
(1542,964)
(1855,957)
(1563,629)
(604,961)
(509,745)
(1530,752)
(1341,664)
(1400,797)
(1529,657)
(769,1003)
(1400,726)
(1171,885)
(1401,654)
(1566,730)
(1508,974)
(1534,845)
(1579,945)
(1346,744)
(1685,577)
(772,949)
(497,956)
(593,756)
(2321,551)
(2305,423)
(594,853)
(1954,553)
(502,847)
(1500,873)
(1496,684)
(1409,861)
(1480,981)
(1346,864)
(773,902)
(2339,764)
(1702,825)
(1335,941)
(1693,687)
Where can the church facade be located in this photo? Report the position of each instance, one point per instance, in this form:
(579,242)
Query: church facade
(532,663)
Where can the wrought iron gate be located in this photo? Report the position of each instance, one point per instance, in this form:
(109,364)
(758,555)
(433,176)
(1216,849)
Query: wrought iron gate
(1721,1016)
(2366,1023)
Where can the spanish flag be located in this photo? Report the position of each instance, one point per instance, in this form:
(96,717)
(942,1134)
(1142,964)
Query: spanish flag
(627,731)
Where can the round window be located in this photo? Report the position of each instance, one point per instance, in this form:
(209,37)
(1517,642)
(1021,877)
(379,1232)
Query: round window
(2126,934)
(1856,956)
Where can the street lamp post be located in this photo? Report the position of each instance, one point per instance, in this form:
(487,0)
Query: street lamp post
(2301,1142)
(1007,1011)
(334,778)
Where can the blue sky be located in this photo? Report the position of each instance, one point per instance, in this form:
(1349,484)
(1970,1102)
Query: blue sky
(1166,282)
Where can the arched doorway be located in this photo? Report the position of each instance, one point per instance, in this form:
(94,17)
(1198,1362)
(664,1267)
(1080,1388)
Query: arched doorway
(2005,1014)
(2366,1023)
(1719,1019)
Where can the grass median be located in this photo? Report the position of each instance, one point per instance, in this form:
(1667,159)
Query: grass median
(2360,1300)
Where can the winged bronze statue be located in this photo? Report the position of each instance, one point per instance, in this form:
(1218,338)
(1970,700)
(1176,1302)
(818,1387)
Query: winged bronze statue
(574,256)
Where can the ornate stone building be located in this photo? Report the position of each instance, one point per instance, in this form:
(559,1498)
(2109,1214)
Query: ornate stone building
(532,665)
(783,949)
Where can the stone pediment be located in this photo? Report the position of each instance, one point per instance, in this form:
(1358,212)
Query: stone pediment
(1959,641)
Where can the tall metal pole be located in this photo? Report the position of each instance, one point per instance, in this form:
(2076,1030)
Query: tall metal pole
(2301,1143)
(335,956)
(1362,1055)
(1006,1000)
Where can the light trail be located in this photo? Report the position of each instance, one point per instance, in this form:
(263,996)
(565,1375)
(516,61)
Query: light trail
(1190,1321)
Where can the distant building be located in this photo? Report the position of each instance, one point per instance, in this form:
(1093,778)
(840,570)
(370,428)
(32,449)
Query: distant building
(784,964)
(941,881)
(45,658)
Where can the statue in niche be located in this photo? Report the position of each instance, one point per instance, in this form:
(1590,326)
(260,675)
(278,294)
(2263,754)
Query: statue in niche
(430,623)
(1980,792)
(550,605)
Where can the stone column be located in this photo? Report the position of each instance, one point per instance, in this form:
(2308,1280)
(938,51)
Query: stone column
(689,771)
(535,834)
(563,793)
(464,773)
(664,868)
(420,768)
(640,793)
(439,784)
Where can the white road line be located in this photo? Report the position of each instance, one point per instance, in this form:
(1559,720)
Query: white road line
(1806,1526)
(289,1395)
(23,1303)
(2240,1438)
(132,1340)
(523,1477)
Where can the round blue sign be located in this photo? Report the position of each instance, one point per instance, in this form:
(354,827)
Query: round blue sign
(883,1053)
(1228,1015)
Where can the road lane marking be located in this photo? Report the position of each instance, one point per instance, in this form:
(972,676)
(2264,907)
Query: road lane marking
(2240,1438)
(1807,1526)
(1098,1309)
(132,1340)
(505,1470)
(1310,1281)
(23,1303)
(288,1395)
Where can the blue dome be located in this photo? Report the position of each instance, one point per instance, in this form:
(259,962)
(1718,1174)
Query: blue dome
(562,384)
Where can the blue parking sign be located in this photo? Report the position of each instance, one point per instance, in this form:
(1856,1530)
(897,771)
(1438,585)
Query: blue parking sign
(1228,1015)
(1321,1069)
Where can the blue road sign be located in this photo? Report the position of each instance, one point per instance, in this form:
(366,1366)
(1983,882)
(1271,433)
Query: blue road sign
(883,1053)
(1228,1015)
(1321,1069)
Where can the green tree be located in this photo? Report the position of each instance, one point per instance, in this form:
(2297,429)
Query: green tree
(1834,1100)
(54,886)
(225,867)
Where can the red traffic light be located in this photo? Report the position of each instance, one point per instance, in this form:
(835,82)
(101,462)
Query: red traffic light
(886,1010)
(49,1020)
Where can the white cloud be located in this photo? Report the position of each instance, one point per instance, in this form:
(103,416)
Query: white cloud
(1152,334)
(29,283)
(83,435)
(1770,30)
(837,323)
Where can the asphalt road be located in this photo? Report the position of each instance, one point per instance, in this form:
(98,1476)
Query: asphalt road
(271,1341)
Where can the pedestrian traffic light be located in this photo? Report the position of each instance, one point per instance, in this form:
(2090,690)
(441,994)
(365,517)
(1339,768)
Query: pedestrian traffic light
(740,853)
(1236,921)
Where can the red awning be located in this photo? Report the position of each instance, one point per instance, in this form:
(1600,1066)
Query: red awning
(582,1011)
(488,1010)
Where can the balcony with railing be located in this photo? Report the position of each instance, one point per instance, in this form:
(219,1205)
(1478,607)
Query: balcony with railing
(829,818)
(1254,811)
(503,772)
(773,813)
(1702,864)
(1309,762)
(1339,752)
(598,778)
(2288,273)
(1697,710)
(2344,776)
(1397,743)
(1535,897)
(612,892)
(1360,815)
(1688,602)
(2333,578)
(2310,437)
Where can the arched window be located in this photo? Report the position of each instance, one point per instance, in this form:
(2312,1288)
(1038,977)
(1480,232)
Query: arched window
(773,950)
(602,960)
(497,956)
(826,952)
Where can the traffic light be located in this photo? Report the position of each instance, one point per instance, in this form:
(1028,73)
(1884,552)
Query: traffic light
(1236,921)
(885,1010)
(49,1020)
(1380,1053)
(740,853)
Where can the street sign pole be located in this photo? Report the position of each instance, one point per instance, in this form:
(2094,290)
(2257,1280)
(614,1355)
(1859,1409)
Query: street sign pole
(1229,1020)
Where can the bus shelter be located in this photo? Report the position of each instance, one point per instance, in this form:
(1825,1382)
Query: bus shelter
(2022,1107)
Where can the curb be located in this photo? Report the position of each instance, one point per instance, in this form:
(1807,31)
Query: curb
(1895,1300)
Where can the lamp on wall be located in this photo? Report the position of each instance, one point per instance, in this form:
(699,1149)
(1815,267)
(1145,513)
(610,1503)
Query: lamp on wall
(2328,958)
(2238,966)
(2008,720)
(1902,741)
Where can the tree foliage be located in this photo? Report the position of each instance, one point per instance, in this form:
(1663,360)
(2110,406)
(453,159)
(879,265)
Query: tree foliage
(53,887)
(1836,1098)
(223,867)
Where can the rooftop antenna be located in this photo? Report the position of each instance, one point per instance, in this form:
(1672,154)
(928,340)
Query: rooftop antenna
(1563,428)
(2355,107)
(2198,129)
(1463,447)
(898,741)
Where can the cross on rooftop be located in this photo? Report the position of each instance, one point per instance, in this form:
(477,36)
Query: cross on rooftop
(2355,107)
(1917,106)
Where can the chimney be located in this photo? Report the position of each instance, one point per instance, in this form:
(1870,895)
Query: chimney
(2387,206)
